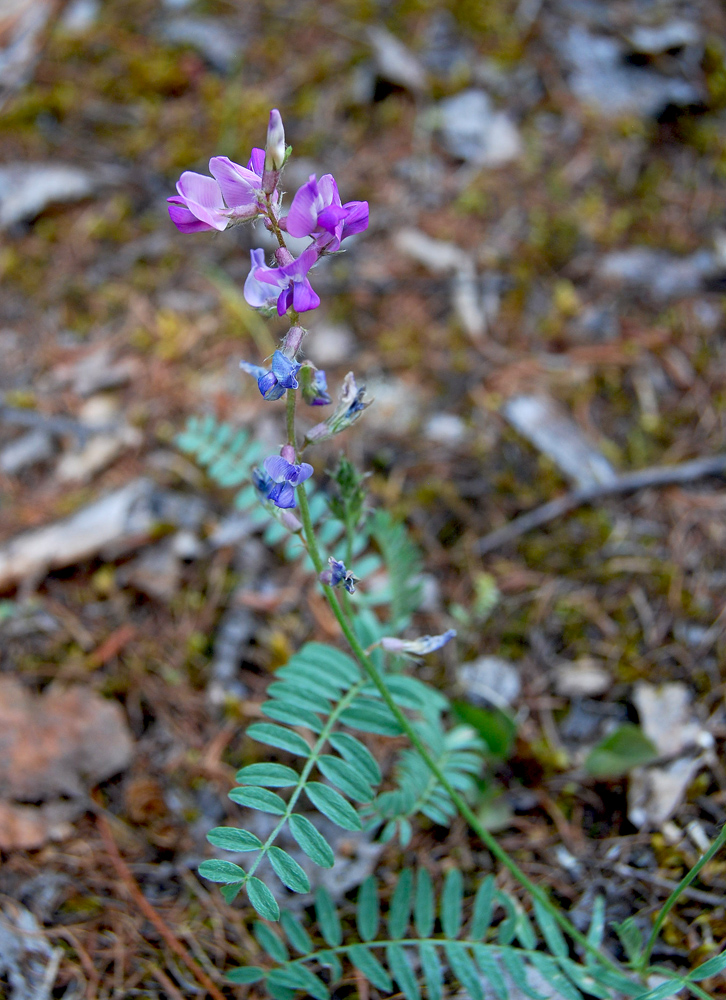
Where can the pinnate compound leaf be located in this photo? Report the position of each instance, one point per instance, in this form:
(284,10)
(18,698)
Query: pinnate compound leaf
(222,871)
(245,975)
(464,970)
(331,804)
(358,755)
(296,933)
(292,716)
(269,941)
(230,839)
(664,990)
(483,906)
(363,959)
(331,660)
(288,870)
(400,906)
(231,892)
(596,930)
(490,970)
(277,736)
(432,970)
(423,906)
(709,968)
(296,694)
(260,799)
(368,912)
(262,899)
(583,979)
(550,931)
(327,915)
(311,841)
(268,776)
(345,778)
(451,903)
(402,973)
(329,960)
(276,990)
(630,937)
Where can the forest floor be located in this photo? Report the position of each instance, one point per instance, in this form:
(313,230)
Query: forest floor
(536,306)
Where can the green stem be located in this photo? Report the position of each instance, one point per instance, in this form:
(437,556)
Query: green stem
(416,741)
(290,414)
(671,901)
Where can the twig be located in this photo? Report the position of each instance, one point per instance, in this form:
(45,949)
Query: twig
(166,983)
(657,475)
(148,910)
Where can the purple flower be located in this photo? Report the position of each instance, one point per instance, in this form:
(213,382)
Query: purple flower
(314,385)
(418,647)
(316,211)
(204,203)
(273,383)
(351,404)
(280,477)
(290,279)
(338,574)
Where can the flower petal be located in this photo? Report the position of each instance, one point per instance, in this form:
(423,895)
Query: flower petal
(203,197)
(278,468)
(257,161)
(283,301)
(304,296)
(269,387)
(257,371)
(299,473)
(331,217)
(285,370)
(302,219)
(238,185)
(184,220)
(282,495)
(256,292)
(357,218)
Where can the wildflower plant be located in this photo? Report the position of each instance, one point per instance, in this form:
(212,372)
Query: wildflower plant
(325,703)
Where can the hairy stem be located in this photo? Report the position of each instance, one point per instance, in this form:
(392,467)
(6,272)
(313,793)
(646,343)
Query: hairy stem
(290,414)
(671,901)
(463,808)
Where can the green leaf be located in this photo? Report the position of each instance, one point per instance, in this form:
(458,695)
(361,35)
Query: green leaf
(276,736)
(497,728)
(358,755)
(259,799)
(270,942)
(615,980)
(230,839)
(345,777)
(370,716)
(664,990)
(327,916)
(262,899)
(423,907)
(288,870)
(315,682)
(549,968)
(518,973)
(400,905)
(596,930)
(298,977)
(630,937)
(292,716)
(268,775)
(276,990)
(296,694)
(401,970)
(550,931)
(490,970)
(463,968)
(367,913)
(330,659)
(329,960)
(483,905)
(625,748)
(371,968)
(451,903)
(296,933)
(222,871)
(331,804)
(245,974)
(312,842)
(432,970)
(231,892)
(709,968)
(583,979)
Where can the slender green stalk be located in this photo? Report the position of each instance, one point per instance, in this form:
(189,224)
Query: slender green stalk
(416,741)
(290,415)
(671,901)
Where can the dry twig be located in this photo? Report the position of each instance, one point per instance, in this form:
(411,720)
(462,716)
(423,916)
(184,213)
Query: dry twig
(657,475)
(149,912)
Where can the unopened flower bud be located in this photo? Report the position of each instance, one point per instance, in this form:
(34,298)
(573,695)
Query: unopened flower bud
(283,256)
(288,453)
(417,647)
(275,145)
(293,341)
